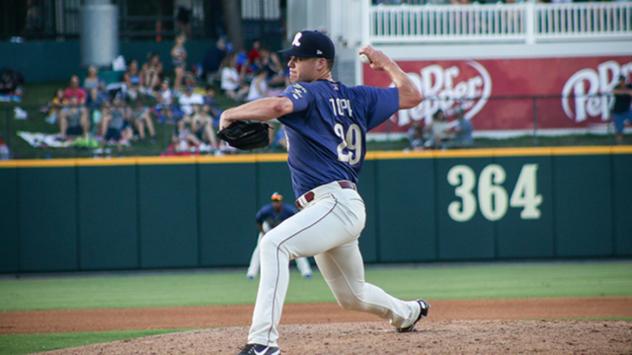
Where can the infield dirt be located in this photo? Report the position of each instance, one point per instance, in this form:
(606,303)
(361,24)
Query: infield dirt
(550,325)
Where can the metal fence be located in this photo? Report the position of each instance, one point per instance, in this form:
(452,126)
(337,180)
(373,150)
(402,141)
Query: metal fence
(527,22)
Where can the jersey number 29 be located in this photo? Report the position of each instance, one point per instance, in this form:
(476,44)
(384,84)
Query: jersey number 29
(350,149)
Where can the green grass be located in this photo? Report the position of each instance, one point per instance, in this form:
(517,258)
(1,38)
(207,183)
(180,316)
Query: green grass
(434,281)
(29,343)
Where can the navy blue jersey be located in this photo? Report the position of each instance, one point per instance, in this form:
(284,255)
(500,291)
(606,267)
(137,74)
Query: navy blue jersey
(268,214)
(327,130)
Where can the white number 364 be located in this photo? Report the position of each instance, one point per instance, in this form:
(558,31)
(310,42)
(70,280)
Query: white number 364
(492,196)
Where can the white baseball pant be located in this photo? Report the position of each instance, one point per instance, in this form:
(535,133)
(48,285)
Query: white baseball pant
(253,269)
(327,228)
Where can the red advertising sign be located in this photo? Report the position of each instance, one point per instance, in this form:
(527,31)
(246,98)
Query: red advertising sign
(512,94)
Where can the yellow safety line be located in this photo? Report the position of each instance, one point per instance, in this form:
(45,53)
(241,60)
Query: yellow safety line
(282,157)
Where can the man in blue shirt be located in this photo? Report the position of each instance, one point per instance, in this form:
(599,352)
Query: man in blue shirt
(326,124)
(268,217)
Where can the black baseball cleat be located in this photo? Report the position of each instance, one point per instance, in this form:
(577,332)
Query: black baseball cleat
(258,349)
(423,312)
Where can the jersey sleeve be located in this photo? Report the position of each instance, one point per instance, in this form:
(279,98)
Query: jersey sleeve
(262,215)
(299,95)
(382,103)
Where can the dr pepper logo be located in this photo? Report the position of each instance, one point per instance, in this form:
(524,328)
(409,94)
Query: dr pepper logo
(464,86)
(585,93)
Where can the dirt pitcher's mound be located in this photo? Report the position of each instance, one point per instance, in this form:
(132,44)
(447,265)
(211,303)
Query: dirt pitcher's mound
(473,336)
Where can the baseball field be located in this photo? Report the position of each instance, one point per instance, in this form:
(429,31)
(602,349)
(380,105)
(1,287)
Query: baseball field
(550,307)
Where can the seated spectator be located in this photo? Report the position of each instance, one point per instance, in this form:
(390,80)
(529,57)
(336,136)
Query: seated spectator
(54,107)
(11,82)
(91,81)
(151,75)
(213,60)
(142,119)
(5,153)
(94,103)
(416,136)
(74,90)
(165,101)
(202,126)
(132,80)
(188,99)
(254,54)
(271,63)
(258,86)
(462,133)
(115,124)
(184,138)
(73,119)
(231,81)
(211,106)
(440,129)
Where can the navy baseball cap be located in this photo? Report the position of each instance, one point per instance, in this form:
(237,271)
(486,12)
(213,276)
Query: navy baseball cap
(311,44)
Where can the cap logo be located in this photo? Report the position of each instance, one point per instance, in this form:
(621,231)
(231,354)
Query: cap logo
(297,40)
(319,52)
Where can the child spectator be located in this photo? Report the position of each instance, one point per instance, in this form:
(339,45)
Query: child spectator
(231,81)
(96,100)
(73,119)
(178,60)
(54,107)
(416,136)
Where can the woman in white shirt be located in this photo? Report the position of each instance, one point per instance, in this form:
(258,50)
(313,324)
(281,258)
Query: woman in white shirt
(231,81)
(258,86)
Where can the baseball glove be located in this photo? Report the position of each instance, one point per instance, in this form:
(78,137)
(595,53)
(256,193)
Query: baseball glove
(246,135)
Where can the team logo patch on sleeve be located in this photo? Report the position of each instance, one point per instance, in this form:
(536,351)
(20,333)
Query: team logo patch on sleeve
(298,91)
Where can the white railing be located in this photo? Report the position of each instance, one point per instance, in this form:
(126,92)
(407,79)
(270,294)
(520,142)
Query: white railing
(529,22)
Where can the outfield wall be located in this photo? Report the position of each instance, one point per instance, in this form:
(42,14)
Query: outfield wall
(480,204)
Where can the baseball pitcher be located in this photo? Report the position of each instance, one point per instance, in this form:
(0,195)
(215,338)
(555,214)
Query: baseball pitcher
(268,217)
(326,124)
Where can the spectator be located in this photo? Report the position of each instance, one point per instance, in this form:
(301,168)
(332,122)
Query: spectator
(271,63)
(179,59)
(440,129)
(254,54)
(74,91)
(132,80)
(73,119)
(91,80)
(5,153)
(258,86)
(188,99)
(231,81)
(142,119)
(462,132)
(151,75)
(115,124)
(621,109)
(213,60)
(96,100)
(202,126)
(211,106)
(165,101)
(54,107)
(416,136)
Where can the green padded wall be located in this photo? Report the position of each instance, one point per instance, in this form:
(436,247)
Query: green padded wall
(471,239)
(168,220)
(622,203)
(583,205)
(9,228)
(406,210)
(48,219)
(109,217)
(227,207)
(518,237)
